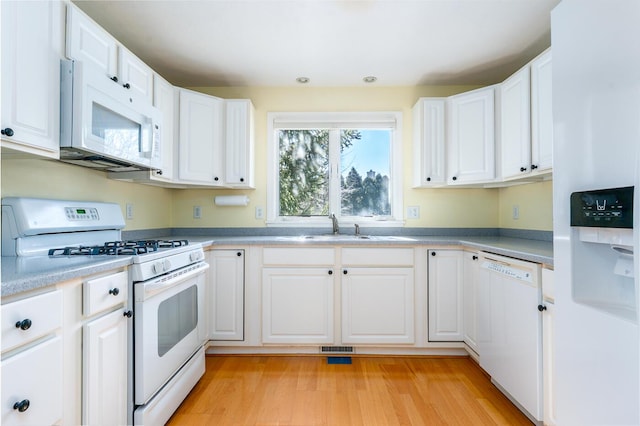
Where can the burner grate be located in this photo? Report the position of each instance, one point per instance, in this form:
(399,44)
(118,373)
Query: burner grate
(126,248)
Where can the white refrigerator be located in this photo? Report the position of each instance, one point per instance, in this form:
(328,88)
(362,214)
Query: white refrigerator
(596,110)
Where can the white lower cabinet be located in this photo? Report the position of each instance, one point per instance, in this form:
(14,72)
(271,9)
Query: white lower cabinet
(105,349)
(32,385)
(226,299)
(471,267)
(105,370)
(445,295)
(297,305)
(377,305)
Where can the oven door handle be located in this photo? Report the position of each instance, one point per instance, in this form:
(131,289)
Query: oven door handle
(144,291)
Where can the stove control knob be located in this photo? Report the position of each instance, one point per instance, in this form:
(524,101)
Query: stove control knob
(158,268)
(195,256)
(167,265)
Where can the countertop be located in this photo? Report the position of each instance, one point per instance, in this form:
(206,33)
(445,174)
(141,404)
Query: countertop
(21,274)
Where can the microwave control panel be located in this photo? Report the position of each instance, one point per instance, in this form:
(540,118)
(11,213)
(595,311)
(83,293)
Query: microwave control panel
(604,208)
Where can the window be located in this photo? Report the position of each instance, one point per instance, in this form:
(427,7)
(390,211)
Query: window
(342,163)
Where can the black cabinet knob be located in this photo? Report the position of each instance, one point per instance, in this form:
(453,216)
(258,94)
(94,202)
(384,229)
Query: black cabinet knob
(126,86)
(239,253)
(474,257)
(127,314)
(455,178)
(533,167)
(542,308)
(25,324)
(159,172)
(114,291)
(7,132)
(330,272)
(241,179)
(428,179)
(114,78)
(344,271)
(523,169)
(22,406)
(433,253)
(215,178)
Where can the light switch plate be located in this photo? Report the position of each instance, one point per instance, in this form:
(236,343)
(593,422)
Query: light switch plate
(197,212)
(259,212)
(413,212)
(516,212)
(129,211)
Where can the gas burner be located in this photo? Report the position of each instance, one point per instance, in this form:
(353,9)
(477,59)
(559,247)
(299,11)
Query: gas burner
(114,248)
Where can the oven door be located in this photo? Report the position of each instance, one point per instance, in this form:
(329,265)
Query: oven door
(169,327)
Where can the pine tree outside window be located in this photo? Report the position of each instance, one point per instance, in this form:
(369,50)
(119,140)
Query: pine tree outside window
(342,163)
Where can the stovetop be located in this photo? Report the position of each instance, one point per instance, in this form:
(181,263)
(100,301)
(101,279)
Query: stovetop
(115,248)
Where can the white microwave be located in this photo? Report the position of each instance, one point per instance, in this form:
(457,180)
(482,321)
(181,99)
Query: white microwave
(103,125)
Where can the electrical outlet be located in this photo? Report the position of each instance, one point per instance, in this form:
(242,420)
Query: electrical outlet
(197,212)
(259,212)
(413,212)
(516,212)
(129,211)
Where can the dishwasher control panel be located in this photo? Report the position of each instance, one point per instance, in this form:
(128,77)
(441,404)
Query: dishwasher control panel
(507,270)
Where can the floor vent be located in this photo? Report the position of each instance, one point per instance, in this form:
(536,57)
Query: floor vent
(336,349)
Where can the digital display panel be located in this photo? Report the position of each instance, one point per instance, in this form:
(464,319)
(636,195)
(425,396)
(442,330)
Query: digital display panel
(607,208)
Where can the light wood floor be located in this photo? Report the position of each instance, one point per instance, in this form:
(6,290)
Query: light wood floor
(306,390)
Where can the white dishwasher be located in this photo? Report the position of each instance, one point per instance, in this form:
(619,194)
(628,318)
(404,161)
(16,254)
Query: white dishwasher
(510,329)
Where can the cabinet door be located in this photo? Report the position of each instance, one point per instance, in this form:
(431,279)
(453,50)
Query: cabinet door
(471,267)
(90,43)
(239,162)
(445,296)
(541,113)
(471,143)
(104,375)
(515,127)
(31,50)
(201,155)
(164,98)
(297,305)
(135,74)
(429,142)
(33,378)
(378,305)
(226,302)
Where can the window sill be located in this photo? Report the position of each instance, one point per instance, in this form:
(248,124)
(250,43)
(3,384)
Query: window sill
(326,222)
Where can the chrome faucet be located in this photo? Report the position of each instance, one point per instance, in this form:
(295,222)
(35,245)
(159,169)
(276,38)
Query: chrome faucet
(334,221)
(357,229)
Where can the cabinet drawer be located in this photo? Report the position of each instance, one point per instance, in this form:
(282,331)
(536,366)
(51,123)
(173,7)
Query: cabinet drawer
(34,378)
(377,257)
(104,292)
(28,319)
(288,256)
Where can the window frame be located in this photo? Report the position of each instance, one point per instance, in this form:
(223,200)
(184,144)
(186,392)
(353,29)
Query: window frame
(391,120)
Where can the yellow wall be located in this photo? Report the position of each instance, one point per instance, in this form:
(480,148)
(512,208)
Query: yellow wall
(158,208)
(534,202)
(52,179)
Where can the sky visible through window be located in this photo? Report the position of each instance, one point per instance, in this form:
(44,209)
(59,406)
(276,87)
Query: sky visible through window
(369,153)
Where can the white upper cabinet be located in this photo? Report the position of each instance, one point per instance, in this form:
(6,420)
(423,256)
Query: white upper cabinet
(515,124)
(201,132)
(89,43)
(471,142)
(239,143)
(164,98)
(541,113)
(429,142)
(32,40)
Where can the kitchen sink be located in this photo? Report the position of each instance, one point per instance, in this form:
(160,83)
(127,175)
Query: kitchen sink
(344,237)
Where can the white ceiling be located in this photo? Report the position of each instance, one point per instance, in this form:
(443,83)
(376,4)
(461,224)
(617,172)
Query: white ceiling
(332,42)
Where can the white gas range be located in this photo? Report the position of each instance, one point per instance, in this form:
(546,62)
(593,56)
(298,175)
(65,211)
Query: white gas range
(168,279)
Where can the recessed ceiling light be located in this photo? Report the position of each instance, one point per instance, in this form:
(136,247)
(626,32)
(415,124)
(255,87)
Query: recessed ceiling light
(370,79)
(302,80)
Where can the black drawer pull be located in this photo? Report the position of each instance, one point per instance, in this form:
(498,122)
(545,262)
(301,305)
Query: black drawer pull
(115,291)
(25,324)
(22,406)
(127,314)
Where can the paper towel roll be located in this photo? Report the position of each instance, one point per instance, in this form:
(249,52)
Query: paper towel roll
(231,200)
